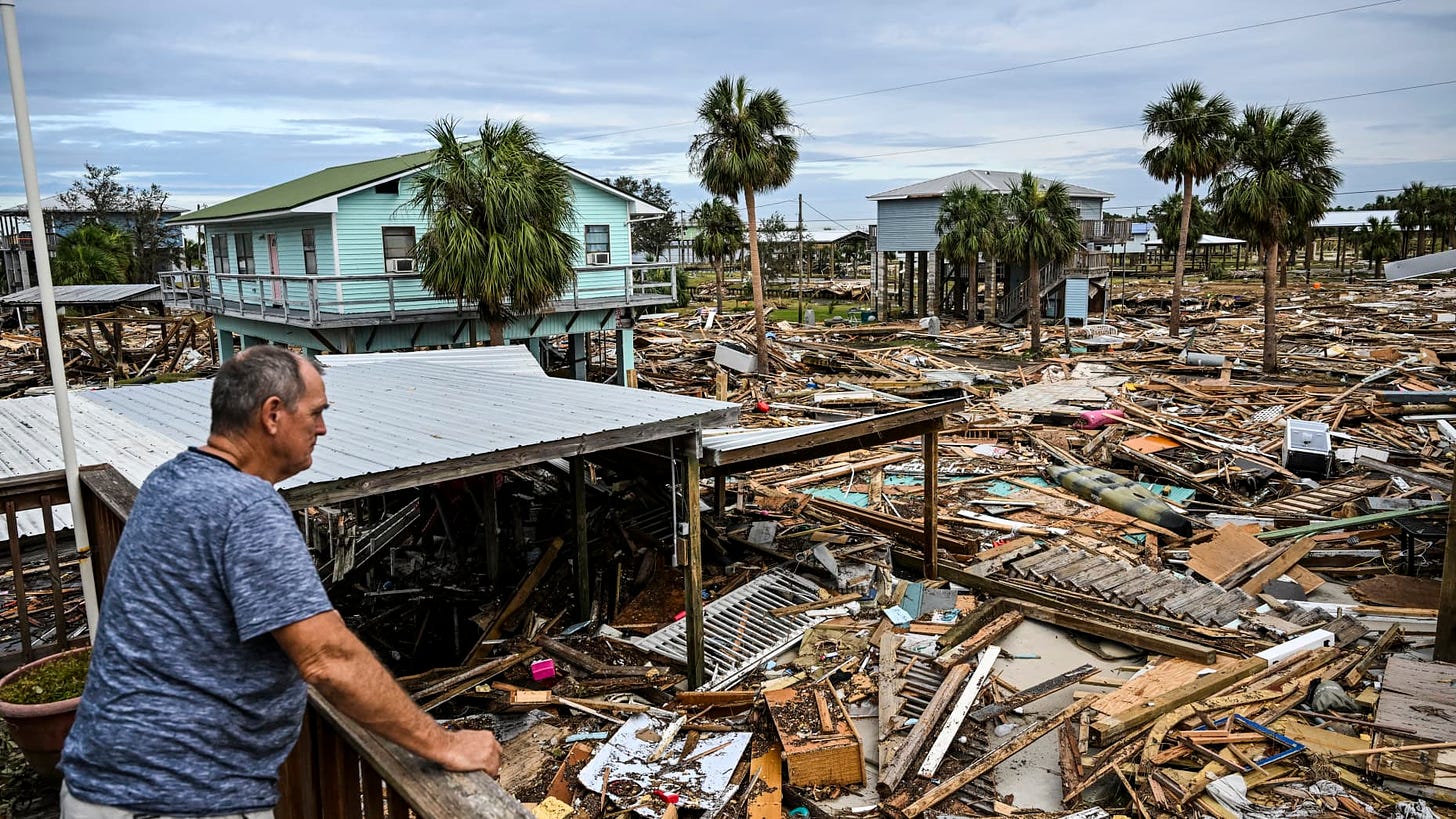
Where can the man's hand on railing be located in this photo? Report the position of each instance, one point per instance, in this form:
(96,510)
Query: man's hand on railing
(471,751)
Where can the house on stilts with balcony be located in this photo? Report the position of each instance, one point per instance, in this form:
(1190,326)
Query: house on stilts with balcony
(326,263)
(912,279)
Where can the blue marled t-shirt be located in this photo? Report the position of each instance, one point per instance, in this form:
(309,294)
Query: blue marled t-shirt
(191,705)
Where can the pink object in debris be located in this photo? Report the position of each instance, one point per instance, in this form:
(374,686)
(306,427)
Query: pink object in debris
(543,670)
(1097,419)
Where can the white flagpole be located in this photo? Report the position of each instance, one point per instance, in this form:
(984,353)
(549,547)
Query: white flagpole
(48,310)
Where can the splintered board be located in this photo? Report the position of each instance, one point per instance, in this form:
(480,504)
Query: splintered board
(817,735)
(1418,699)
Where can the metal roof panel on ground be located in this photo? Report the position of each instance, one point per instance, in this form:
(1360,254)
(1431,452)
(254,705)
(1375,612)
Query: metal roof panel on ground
(89,294)
(1430,264)
(998,181)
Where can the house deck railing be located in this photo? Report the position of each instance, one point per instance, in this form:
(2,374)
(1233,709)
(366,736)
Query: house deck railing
(324,301)
(43,609)
(1088,264)
(1106,230)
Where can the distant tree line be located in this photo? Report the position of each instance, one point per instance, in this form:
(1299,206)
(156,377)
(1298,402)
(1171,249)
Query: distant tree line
(123,236)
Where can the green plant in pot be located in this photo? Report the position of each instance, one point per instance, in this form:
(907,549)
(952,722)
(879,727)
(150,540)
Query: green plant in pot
(38,702)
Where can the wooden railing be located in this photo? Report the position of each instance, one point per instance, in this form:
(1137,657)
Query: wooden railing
(45,603)
(339,769)
(1106,230)
(323,301)
(1090,264)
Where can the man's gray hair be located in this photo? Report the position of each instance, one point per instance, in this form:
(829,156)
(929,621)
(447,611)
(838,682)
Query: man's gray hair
(251,377)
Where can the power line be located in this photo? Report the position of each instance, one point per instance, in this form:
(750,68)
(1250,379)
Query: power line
(1107,127)
(821,213)
(1024,66)
(1118,50)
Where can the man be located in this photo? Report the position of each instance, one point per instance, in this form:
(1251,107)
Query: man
(214,619)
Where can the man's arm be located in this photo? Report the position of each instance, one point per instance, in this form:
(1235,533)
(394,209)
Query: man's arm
(349,676)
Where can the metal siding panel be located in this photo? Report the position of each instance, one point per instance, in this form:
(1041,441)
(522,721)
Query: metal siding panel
(1076,296)
(908,224)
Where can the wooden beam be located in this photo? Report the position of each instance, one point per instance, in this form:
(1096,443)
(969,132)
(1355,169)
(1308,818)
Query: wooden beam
(1035,692)
(1283,562)
(1445,649)
(930,550)
(890,777)
(523,593)
(1110,727)
(993,630)
(490,528)
(693,564)
(957,715)
(580,538)
(890,702)
(980,767)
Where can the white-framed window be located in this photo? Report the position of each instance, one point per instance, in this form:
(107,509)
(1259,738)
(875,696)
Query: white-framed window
(219,254)
(243,242)
(399,249)
(310,253)
(598,244)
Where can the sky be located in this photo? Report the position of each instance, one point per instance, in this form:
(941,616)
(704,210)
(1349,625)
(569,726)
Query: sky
(214,100)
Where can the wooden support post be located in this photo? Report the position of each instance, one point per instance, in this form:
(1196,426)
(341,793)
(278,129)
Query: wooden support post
(1446,613)
(490,528)
(578,521)
(693,566)
(720,493)
(930,449)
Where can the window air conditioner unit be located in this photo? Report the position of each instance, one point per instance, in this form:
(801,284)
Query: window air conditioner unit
(400,265)
(599,257)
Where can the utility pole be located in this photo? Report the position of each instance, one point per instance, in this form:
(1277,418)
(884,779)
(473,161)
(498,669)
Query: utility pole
(1445,648)
(801,258)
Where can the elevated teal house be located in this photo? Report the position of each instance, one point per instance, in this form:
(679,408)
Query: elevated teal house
(325,263)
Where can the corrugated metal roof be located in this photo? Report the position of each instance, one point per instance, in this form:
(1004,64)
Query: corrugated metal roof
(30,443)
(389,413)
(53,204)
(1207,239)
(89,294)
(999,181)
(510,359)
(1355,218)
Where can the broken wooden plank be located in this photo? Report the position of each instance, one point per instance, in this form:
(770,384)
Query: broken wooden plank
(523,593)
(1034,693)
(992,631)
(1109,727)
(1159,643)
(957,715)
(890,777)
(980,767)
(1281,563)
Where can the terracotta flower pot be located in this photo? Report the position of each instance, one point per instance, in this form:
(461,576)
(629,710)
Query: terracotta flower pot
(40,730)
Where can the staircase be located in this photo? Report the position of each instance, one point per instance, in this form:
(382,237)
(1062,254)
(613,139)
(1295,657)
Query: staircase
(1087,264)
(1014,305)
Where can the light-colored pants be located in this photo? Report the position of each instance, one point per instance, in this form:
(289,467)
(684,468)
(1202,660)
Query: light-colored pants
(73,808)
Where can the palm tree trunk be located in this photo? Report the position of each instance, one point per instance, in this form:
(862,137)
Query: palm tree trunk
(1180,258)
(1271,332)
(991,290)
(760,319)
(1033,303)
(718,274)
(497,333)
(971,295)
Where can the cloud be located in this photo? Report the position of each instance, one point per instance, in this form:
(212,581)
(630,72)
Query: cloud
(212,104)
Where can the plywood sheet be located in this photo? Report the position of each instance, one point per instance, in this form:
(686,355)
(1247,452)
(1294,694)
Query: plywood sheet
(1230,549)
(1418,698)
(1168,674)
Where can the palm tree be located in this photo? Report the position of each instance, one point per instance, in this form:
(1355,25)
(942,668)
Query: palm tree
(1167,219)
(1413,205)
(1042,228)
(1279,175)
(748,145)
(1442,217)
(1378,242)
(93,253)
(1192,130)
(720,235)
(970,224)
(496,209)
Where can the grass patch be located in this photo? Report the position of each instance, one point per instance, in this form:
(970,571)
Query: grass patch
(52,682)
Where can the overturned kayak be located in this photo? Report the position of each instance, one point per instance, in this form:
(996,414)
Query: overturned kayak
(1121,494)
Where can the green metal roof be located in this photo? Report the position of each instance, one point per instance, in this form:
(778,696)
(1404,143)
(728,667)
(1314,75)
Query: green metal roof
(311,188)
